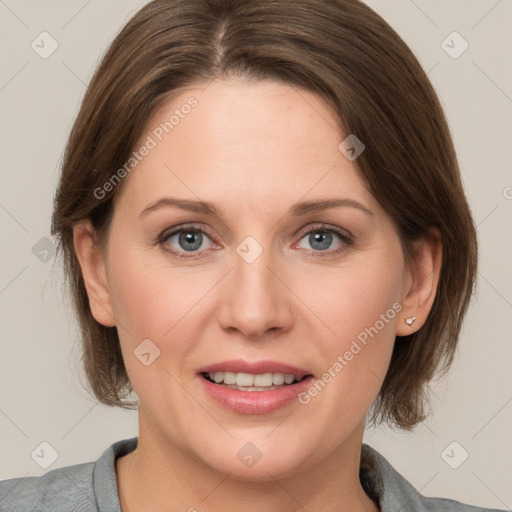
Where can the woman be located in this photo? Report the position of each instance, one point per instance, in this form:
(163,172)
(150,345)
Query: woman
(266,238)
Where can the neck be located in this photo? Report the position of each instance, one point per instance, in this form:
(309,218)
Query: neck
(160,475)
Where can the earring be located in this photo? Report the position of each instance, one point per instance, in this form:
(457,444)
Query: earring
(409,321)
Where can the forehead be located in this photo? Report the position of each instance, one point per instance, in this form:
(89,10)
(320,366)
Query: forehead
(250,143)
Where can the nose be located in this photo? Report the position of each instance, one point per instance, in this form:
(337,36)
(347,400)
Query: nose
(254,300)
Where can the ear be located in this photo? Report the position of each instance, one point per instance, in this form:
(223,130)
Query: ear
(92,263)
(420,284)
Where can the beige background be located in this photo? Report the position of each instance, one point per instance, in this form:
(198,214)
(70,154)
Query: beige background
(40,374)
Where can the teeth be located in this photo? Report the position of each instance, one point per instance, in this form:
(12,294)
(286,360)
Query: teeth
(262,380)
(244,379)
(229,378)
(277,379)
(289,378)
(249,380)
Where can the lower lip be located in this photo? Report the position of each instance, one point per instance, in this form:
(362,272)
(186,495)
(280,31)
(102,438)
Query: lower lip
(255,402)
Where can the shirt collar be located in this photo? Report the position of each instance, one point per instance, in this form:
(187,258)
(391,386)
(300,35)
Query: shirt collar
(386,486)
(104,474)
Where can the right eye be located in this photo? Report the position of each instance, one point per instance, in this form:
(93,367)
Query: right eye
(185,239)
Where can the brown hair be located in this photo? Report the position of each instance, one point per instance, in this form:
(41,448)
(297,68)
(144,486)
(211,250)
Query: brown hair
(348,55)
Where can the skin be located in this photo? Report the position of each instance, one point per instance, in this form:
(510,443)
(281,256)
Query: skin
(254,149)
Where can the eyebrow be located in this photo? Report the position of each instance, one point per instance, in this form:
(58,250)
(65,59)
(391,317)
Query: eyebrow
(298,209)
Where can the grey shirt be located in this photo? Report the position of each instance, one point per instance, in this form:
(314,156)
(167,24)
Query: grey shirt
(92,487)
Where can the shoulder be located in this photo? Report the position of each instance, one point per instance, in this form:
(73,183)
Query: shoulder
(55,490)
(86,487)
(394,492)
(436,504)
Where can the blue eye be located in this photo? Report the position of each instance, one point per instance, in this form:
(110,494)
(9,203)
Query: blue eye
(321,238)
(192,241)
(188,240)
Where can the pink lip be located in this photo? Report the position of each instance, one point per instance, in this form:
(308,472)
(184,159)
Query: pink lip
(254,402)
(254,367)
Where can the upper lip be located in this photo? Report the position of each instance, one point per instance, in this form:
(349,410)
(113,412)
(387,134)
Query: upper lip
(253,367)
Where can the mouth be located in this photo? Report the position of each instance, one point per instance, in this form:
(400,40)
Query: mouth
(253,382)
(253,387)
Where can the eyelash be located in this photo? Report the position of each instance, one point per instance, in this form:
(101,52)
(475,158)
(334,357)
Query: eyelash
(323,228)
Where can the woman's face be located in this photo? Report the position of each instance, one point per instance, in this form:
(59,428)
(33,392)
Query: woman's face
(266,280)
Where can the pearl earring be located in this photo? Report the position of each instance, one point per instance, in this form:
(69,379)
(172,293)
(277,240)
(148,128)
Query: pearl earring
(409,321)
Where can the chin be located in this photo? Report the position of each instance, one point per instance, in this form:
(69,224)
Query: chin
(259,460)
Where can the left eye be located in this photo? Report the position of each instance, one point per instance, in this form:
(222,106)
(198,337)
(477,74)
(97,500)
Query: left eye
(321,239)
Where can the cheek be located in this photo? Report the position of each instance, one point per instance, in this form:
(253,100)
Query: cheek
(152,300)
(358,306)
(149,297)
(148,305)
(351,298)
(139,301)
